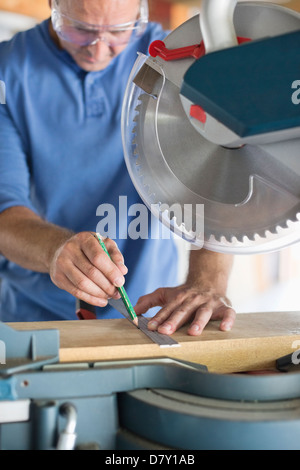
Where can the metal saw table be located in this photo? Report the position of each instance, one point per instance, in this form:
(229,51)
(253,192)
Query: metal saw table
(105,385)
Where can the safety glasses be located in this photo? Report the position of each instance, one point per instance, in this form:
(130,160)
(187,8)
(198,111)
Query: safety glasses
(85,34)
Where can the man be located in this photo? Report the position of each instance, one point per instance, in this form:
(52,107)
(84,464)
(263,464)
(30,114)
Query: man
(61,157)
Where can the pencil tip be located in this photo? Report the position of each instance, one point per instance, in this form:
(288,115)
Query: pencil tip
(135,321)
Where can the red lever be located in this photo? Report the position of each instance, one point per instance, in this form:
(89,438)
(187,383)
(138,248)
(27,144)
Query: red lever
(158,48)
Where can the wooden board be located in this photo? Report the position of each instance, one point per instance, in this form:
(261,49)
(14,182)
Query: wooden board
(256,341)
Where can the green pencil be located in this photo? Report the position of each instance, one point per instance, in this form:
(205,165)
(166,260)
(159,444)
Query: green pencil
(121,290)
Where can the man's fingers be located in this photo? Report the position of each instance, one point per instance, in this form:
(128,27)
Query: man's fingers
(115,255)
(155,299)
(83,283)
(90,275)
(229,316)
(202,317)
(206,313)
(225,312)
(67,285)
(113,269)
(176,312)
(168,319)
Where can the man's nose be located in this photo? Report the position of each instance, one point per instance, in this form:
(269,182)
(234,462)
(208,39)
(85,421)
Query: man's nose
(100,48)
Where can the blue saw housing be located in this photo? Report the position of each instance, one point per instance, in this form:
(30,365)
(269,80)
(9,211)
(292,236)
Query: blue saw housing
(251,88)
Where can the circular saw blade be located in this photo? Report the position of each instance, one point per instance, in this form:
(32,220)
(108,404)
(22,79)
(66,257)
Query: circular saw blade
(241,200)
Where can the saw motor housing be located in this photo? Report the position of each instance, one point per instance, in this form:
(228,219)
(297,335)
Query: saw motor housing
(211,131)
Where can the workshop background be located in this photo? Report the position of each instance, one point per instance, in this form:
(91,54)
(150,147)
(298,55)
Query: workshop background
(259,283)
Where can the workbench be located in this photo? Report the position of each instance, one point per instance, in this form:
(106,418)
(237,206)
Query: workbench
(255,342)
(103,384)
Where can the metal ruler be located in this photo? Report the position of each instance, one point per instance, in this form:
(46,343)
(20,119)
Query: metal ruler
(164,341)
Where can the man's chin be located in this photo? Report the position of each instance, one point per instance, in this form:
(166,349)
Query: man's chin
(92,66)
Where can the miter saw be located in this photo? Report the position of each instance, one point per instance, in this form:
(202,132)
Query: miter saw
(210,120)
(211,127)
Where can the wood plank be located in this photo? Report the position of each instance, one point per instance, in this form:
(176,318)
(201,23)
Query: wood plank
(256,341)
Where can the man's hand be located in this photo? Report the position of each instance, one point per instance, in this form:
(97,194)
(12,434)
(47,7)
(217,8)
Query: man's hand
(75,262)
(81,267)
(200,299)
(183,304)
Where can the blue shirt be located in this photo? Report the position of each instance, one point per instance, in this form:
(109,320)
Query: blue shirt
(61,156)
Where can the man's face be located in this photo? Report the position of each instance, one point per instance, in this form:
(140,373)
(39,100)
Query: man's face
(97,56)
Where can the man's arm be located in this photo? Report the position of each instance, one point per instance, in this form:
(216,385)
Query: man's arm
(200,299)
(75,262)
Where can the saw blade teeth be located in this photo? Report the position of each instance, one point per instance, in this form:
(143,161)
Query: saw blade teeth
(214,235)
(250,237)
(268,233)
(211,239)
(143,97)
(144,182)
(233,240)
(224,240)
(289,223)
(218,237)
(178,225)
(295,219)
(282,227)
(148,189)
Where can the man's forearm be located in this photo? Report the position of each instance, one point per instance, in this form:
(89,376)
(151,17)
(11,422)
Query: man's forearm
(207,269)
(28,240)
(74,261)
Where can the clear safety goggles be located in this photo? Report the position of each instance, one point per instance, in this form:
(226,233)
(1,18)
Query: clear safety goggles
(85,34)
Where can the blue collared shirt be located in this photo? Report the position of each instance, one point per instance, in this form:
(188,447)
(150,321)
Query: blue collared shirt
(61,156)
